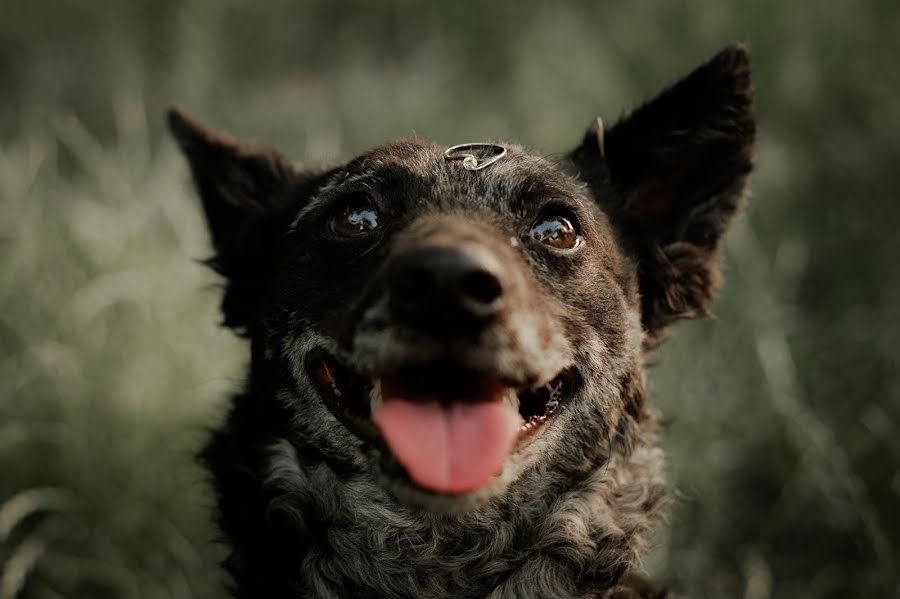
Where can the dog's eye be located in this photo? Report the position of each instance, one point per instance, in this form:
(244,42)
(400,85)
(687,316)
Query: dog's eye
(556,231)
(358,216)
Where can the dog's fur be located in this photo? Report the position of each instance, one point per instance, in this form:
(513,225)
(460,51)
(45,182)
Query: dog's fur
(310,507)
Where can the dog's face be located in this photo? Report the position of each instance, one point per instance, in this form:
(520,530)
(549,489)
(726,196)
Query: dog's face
(446,317)
(449,331)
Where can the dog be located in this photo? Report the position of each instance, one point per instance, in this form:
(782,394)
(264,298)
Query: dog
(446,392)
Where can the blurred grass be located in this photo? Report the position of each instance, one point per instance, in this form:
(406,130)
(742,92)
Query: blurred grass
(783,414)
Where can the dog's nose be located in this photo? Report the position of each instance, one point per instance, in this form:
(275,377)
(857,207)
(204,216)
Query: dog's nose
(440,286)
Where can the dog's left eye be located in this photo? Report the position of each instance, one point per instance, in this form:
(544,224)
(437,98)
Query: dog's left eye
(556,231)
(356,217)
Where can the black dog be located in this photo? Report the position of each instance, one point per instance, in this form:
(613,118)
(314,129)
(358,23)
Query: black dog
(446,392)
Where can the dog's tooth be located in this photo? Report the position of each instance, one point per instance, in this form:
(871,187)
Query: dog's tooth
(375,399)
(511,398)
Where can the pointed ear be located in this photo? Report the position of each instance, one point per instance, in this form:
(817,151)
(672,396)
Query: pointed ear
(671,175)
(239,183)
(242,187)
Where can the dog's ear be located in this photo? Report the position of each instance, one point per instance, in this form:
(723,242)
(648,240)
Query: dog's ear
(671,175)
(243,187)
(238,183)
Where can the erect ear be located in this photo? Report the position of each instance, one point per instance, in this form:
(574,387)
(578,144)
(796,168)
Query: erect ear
(243,188)
(671,175)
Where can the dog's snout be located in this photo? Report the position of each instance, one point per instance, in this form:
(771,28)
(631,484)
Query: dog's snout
(445,285)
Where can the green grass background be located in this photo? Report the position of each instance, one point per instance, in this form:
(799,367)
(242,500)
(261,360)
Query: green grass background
(783,414)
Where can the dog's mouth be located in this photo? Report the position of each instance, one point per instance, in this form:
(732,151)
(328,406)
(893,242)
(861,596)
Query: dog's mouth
(450,428)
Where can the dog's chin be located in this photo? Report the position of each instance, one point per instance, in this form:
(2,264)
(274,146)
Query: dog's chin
(353,399)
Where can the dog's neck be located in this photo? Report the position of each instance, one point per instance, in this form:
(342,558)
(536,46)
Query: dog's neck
(301,526)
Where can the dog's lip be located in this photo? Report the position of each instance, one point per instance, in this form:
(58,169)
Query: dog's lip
(349,395)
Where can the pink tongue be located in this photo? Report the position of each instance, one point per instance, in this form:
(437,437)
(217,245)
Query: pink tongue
(449,448)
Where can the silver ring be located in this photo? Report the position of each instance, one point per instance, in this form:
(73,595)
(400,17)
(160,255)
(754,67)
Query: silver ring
(488,154)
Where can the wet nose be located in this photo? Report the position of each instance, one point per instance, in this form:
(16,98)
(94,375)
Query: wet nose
(440,286)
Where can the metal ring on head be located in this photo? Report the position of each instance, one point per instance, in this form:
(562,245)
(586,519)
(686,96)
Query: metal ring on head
(472,162)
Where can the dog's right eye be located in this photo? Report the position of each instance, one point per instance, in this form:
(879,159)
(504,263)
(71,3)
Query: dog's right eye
(357,217)
(556,231)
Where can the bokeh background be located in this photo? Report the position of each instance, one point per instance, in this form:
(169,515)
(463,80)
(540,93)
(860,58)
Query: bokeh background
(783,414)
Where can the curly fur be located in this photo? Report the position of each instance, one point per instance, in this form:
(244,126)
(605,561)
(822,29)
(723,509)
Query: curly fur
(579,536)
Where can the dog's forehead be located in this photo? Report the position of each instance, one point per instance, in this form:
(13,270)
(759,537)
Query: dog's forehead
(417,155)
(424,161)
